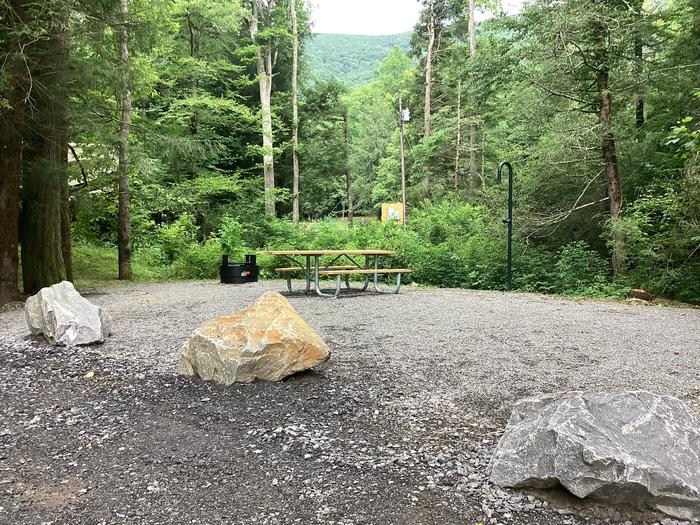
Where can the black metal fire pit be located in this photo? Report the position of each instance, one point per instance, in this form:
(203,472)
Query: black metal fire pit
(239,273)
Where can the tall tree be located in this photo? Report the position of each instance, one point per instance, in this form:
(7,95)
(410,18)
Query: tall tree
(266,58)
(427,99)
(473,170)
(124,216)
(601,36)
(45,154)
(458,140)
(295,115)
(346,165)
(11,121)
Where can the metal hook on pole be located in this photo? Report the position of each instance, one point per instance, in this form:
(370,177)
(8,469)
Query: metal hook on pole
(509,220)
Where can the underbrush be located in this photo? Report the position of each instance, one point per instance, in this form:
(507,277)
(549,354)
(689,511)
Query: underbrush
(445,245)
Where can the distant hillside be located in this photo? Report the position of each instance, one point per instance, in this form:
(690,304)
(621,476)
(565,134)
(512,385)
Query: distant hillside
(351,59)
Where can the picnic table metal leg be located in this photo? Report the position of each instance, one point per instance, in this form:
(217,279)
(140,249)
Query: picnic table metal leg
(366,277)
(308,276)
(318,284)
(376,283)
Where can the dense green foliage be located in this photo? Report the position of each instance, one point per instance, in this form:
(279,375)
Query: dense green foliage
(350,59)
(447,245)
(595,102)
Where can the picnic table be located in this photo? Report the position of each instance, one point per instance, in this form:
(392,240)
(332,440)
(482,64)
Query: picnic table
(368,267)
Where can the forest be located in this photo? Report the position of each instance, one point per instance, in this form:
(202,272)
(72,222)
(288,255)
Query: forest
(143,139)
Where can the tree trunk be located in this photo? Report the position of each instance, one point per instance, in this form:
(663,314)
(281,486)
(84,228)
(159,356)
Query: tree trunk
(124,217)
(11,126)
(295,116)
(348,175)
(458,145)
(44,173)
(66,248)
(473,170)
(10,168)
(193,120)
(42,254)
(427,107)
(611,170)
(264,70)
(639,57)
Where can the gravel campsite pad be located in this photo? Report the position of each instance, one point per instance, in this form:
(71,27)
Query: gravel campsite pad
(396,428)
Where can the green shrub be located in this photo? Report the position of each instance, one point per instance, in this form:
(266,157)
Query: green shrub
(449,244)
(231,235)
(197,261)
(579,268)
(176,238)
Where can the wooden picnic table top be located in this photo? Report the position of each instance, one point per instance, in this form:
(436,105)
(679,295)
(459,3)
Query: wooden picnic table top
(326,252)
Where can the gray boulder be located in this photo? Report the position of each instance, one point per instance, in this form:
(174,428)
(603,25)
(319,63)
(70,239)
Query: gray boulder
(634,448)
(65,317)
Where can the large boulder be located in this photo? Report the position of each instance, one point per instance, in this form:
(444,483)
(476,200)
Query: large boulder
(65,317)
(634,448)
(267,341)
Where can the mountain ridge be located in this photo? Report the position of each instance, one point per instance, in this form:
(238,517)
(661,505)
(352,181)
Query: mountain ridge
(350,59)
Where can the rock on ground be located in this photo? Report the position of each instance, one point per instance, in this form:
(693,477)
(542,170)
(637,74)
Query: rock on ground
(266,342)
(65,317)
(634,448)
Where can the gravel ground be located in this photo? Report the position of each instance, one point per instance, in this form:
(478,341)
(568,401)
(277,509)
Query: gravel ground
(396,428)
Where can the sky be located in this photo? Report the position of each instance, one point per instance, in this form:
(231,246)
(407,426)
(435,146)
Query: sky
(372,17)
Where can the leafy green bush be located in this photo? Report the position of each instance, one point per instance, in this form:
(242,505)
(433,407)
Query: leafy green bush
(662,240)
(197,261)
(453,244)
(579,268)
(231,235)
(175,239)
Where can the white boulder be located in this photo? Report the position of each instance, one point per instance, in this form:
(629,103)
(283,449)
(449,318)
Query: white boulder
(66,318)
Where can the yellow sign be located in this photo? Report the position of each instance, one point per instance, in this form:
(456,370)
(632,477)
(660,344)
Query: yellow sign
(392,211)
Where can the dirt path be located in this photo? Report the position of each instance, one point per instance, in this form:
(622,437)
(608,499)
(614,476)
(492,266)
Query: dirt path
(396,428)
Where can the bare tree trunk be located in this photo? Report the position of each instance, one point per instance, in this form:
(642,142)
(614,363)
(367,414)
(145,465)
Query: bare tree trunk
(427,107)
(124,218)
(611,170)
(264,69)
(11,128)
(295,116)
(66,248)
(458,145)
(348,175)
(193,120)
(639,57)
(473,170)
(403,163)
(10,169)
(44,156)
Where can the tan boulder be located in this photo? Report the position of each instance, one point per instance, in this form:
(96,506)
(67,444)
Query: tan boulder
(267,341)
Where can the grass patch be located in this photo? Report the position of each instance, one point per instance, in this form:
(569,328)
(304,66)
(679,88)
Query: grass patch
(96,266)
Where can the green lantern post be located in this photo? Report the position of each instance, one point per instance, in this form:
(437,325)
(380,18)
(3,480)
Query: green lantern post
(509,220)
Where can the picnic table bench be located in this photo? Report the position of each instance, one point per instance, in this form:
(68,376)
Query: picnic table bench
(312,272)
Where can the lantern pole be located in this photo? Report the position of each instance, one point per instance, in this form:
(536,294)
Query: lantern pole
(509,221)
